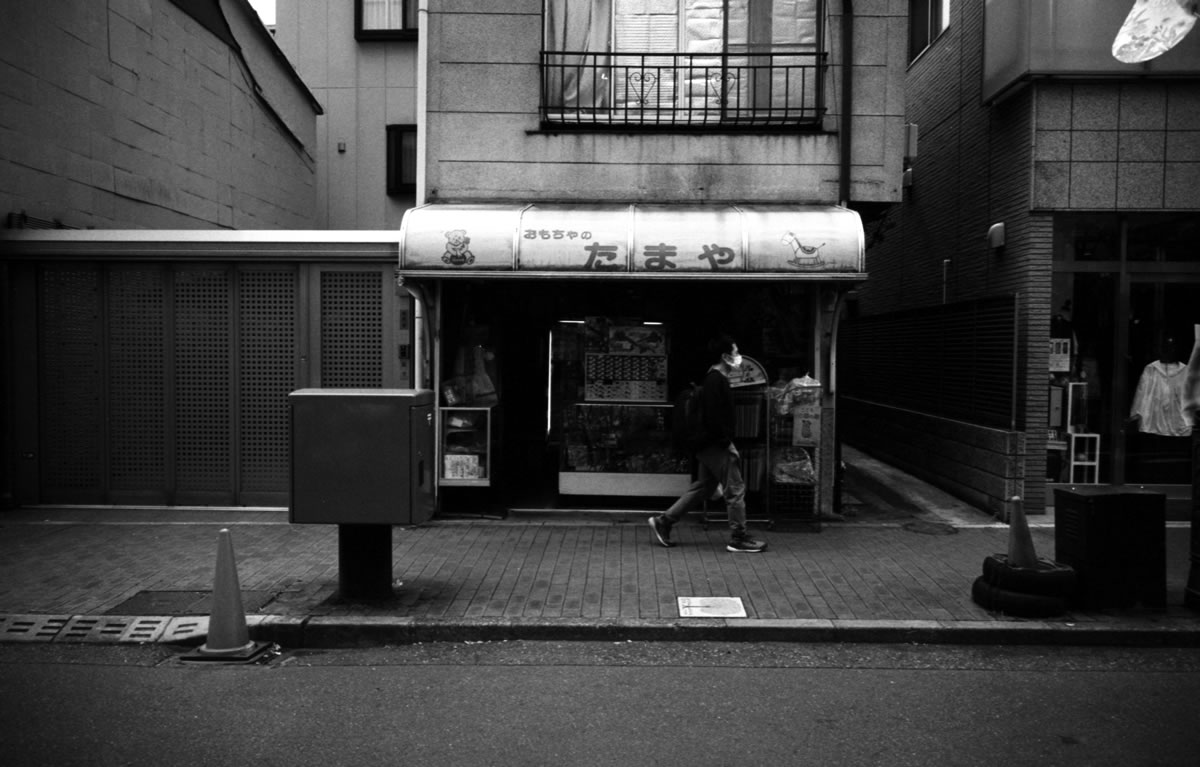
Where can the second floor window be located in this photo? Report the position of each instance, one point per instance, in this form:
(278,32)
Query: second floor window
(401,160)
(385,19)
(730,63)
(926,20)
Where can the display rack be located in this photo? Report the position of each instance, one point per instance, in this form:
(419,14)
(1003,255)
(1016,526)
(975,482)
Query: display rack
(466,446)
(1083,448)
(620,449)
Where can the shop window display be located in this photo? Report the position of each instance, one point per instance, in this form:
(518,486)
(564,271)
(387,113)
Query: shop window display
(1121,331)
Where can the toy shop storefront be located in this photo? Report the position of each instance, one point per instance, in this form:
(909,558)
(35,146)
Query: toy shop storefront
(557,338)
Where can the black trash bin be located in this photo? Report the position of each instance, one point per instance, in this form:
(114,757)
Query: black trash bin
(1115,539)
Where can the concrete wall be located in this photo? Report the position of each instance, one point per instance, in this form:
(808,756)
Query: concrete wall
(131,114)
(364,87)
(484,140)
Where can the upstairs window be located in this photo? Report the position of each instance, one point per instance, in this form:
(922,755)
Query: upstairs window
(926,20)
(401,160)
(385,19)
(684,63)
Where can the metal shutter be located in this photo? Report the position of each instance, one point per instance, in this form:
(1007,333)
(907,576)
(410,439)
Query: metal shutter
(72,385)
(202,380)
(136,327)
(351,329)
(268,350)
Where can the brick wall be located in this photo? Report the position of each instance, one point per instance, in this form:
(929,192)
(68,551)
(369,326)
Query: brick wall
(972,170)
(131,114)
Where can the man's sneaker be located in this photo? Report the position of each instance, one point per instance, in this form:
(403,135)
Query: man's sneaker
(662,530)
(746,545)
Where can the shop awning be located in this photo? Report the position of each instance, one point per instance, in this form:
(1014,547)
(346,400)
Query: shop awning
(795,242)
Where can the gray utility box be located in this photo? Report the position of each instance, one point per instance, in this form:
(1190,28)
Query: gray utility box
(362,456)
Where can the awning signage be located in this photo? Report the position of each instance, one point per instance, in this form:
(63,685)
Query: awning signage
(650,241)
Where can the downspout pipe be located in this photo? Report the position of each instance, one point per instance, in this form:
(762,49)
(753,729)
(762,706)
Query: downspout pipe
(844,161)
(844,129)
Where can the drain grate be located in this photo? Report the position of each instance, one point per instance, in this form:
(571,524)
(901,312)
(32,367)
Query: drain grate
(31,628)
(112,628)
(185,629)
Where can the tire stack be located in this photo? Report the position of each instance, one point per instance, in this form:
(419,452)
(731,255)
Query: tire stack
(1040,591)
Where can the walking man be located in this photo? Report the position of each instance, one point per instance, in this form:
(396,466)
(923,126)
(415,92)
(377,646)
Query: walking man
(717,456)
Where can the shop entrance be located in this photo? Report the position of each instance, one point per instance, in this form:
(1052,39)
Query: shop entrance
(530,339)
(1125,306)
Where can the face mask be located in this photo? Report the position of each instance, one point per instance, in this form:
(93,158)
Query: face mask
(732,360)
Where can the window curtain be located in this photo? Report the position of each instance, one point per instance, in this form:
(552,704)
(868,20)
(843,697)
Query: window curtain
(383,14)
(578,36)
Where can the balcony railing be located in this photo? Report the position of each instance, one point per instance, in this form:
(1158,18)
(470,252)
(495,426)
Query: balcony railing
(737,90)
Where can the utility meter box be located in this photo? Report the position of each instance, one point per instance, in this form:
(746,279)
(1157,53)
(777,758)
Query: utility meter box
(362,456)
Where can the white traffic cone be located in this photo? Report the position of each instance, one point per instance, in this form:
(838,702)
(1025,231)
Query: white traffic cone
(1020,542)
(228,636)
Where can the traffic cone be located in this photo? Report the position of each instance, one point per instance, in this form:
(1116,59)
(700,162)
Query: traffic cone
(1020,542)
(228,636)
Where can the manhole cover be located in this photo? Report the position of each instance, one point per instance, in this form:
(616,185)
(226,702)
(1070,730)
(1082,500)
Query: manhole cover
(711,607)
(929,528)
(183,603)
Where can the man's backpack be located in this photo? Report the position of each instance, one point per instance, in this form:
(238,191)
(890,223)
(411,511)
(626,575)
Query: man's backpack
(687,419)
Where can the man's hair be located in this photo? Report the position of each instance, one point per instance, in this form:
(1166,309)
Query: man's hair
(721,344)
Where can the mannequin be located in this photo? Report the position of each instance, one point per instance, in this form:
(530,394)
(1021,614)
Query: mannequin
(1158,403)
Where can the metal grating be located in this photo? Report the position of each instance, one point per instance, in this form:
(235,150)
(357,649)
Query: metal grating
(352,325)
(203,371)
(267,320)
(113,628)
(186,629)
(167,383)
(955,360)
(72,418)
(31,628)
(137,352)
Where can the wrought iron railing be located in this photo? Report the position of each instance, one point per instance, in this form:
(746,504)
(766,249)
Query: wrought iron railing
(736,89)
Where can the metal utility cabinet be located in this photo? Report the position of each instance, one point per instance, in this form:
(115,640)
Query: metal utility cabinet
(362,456)
(362,459)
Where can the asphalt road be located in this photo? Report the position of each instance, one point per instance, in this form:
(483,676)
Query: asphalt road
(532,703)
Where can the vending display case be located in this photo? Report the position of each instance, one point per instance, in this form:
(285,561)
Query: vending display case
(794,449)
(620,449)
(466,447)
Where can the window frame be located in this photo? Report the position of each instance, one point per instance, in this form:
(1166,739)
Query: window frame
(394,170)
(395,33)
(748,116)
(935,15)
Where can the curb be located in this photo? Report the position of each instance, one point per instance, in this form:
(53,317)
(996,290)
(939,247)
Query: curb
(334,632)
(327,632)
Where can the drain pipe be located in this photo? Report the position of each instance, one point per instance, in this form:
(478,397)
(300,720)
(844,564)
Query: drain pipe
(847,92)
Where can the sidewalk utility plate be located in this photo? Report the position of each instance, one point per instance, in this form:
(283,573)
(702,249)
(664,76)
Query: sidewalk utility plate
(711,607)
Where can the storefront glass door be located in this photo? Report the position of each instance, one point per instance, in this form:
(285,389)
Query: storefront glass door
(1125,305)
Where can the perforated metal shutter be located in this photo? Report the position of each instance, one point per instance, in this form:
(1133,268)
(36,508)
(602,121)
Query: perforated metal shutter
(167,383)
(137,328)
(268,350)
(203,382)
(72,384)
(352,328)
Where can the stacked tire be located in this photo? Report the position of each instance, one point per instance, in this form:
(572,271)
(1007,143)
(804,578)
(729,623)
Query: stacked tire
(1041,591)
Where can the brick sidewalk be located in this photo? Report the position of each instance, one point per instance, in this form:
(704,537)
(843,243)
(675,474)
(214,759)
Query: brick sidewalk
(907,560)
(464,570)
